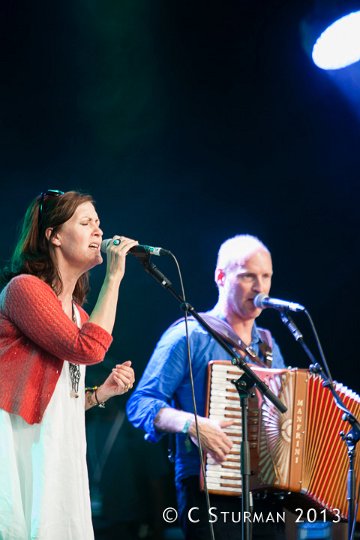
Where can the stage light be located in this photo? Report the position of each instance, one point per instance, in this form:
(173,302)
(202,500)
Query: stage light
(339,45)
(332,33)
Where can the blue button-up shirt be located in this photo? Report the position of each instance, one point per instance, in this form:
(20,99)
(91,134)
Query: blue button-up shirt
(166,383)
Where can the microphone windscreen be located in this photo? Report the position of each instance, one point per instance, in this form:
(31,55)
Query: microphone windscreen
(258,300)
(104,244)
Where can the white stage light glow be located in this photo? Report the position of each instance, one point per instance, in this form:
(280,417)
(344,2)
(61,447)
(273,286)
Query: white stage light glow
(339,45)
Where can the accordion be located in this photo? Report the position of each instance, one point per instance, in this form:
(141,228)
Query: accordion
(297,452)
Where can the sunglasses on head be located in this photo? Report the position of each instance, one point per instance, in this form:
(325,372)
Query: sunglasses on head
(50,193)
(45,195)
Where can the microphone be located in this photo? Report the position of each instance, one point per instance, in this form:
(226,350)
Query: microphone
(138,251)
(263,301)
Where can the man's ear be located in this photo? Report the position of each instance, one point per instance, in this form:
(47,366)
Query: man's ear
(219,277)
(55,239)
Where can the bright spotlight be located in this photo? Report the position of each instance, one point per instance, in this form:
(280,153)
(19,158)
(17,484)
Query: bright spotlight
(339,45)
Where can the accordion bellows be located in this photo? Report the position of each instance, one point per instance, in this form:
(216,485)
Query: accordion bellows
(300,451)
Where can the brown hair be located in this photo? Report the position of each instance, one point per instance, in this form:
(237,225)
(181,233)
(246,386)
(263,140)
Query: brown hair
(34,253)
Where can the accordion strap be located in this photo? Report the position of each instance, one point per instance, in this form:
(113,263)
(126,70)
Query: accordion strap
(266,346)
(227,333)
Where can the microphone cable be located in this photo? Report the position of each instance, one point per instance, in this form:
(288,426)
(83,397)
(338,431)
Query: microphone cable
(201,453)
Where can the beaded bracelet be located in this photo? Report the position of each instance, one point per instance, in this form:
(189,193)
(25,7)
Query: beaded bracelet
(93,390)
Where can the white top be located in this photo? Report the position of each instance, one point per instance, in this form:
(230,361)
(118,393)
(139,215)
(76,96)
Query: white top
(44,487)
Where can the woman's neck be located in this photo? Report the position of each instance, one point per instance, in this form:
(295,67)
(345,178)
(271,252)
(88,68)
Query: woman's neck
(69,277)
(66,295)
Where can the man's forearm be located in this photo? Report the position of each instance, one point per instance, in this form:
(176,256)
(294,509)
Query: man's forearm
(172,420)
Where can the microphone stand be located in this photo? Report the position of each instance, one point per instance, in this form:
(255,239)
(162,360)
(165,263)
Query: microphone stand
(351,438)
(243,386)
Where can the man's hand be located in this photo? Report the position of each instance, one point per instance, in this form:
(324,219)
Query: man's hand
(213,439)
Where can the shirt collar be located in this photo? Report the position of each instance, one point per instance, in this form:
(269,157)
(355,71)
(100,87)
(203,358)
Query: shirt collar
(255,336)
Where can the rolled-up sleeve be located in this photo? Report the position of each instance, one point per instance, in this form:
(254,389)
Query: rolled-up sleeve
(165,371)
(32,306)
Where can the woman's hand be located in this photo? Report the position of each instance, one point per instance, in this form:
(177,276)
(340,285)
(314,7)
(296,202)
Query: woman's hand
(120,380)
(116,252)
(104,312)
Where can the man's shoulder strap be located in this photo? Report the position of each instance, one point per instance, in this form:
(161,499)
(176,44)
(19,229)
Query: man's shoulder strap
(266,346)
(227,333)
(266,337)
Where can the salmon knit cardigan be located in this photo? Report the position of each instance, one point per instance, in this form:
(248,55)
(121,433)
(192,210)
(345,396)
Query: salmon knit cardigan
(36,336)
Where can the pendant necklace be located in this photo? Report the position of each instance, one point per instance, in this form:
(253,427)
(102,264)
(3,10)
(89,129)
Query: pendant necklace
(74,368)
